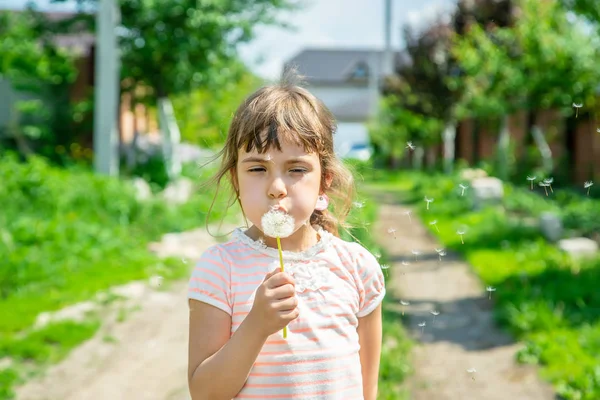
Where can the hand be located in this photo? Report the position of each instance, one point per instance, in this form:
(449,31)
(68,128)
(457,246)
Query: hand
(275,304)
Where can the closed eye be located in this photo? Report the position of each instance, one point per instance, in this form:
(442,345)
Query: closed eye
(299,170)
(257,169)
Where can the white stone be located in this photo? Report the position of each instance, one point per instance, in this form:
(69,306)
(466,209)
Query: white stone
(579,247)
(142,189)
(179,191)
(551,226)
(487,190)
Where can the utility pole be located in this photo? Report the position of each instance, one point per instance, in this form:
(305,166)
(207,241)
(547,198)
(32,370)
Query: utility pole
(106,89)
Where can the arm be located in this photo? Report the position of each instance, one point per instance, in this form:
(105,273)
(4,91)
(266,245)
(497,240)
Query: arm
(219,365)
(369,337)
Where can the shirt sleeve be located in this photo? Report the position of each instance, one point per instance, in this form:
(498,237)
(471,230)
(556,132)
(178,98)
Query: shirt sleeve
(371,283)
(210,280)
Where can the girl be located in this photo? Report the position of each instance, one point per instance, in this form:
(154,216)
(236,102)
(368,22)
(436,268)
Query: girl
(279,154)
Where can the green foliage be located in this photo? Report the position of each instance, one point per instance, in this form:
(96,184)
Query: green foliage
(204,115)
(543,61)
(545,298)
(34,66)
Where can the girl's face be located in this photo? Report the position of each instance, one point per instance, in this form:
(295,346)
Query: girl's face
(289,179)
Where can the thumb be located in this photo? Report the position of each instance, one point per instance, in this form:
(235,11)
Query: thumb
(270,274)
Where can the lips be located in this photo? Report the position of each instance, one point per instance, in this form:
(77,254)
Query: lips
(279,208)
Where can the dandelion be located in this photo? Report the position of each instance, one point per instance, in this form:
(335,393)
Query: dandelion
(416,254)
(278,224)
(422,326)
(410,146)
(428,200)
(544,185)
(392,231)
(463,187)
(435,313)
(472,372)
(434,223)
(358,204)
(549,182)
(490,289)
(407,212)
(531,179)
(460,233)
(577,107)
(587,185)
(404,304)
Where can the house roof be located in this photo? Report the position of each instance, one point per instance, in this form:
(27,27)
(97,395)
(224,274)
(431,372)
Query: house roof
(335,66)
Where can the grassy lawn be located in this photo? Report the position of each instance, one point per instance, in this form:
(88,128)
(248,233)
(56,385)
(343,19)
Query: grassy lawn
(545,298)
(66,235)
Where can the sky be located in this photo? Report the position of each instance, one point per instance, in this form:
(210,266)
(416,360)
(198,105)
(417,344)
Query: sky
(321,24)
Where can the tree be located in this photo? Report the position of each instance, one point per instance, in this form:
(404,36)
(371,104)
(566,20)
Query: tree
(541,62)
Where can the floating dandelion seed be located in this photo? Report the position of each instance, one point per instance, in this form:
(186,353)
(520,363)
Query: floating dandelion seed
(434,223)
(531,179)
(460,233)
(422,326)
(549,182)
(404,304)
(577,107)
(544,185)
(385,267)
(472,372)
(392,231)
(278,224)
(435,313)
(405,263)
(377,255)
(358,204)
(587,185)
(428,200)
(490,289)
(409,145)
(183,260)
(441,253)
(407,212)
(463,187)
(416,254)
(598,130)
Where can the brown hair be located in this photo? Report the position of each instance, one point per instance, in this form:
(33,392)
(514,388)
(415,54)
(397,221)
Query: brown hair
(287,111)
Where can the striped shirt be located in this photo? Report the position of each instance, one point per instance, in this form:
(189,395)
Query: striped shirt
(337,282)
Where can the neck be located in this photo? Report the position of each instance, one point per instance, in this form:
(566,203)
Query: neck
(304,238)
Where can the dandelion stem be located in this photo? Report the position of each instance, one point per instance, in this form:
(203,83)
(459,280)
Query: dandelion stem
(282,269)
(531,185)
(546,190)
(436,228)
(551,191)
(588,192)
(461,239)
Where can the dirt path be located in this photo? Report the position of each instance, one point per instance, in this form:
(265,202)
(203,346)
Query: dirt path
(463,336)
(146,356)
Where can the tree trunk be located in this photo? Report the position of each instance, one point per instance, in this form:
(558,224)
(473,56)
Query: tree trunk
(544,148)
(170,136)
(449,137)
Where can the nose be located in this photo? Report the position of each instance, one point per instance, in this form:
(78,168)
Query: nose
(277,189)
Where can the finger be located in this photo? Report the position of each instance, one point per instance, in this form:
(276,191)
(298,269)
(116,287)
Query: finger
(283,292)
(280,279)
(290,315)
(270,274)
(286,305)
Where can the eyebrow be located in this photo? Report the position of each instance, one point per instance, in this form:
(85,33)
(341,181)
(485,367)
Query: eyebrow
(264,160)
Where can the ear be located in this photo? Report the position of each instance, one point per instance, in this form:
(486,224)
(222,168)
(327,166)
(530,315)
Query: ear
(327,181)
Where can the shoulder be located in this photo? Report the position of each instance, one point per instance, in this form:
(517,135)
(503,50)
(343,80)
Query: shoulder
(354,252)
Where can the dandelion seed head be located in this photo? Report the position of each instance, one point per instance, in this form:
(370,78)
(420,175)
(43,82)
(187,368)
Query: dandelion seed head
(358,204)
(543,184)
(277,224)
(438,250)
(531,178)
(577,105)
(422,324)
(490,289)
(407,212)
(391,230)
(429,200)
(433,222)
(471,370)
(405,263)
(463,186)
(435,313)
(461,232)
(442,253)
(409,145)
(548,180)
(385,266)
(404,303)
(588,184)
(415,252)
(377,255)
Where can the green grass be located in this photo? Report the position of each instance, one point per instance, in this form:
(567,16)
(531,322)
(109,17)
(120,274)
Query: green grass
(66,235)
(546,299)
